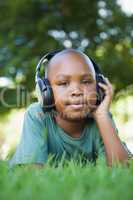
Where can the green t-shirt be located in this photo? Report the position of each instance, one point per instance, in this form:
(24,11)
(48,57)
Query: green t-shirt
(42,136)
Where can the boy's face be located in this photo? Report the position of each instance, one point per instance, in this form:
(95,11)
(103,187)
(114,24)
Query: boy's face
(74,86)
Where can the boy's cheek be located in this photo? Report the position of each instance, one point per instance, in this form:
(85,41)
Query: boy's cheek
(58,99)
(91,97)
(58,92)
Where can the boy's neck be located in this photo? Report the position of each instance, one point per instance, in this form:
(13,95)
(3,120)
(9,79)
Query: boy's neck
(72,128)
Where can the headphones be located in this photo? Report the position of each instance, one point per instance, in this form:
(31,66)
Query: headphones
(44,91)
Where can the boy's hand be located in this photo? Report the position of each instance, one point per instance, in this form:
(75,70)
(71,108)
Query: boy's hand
(104,106)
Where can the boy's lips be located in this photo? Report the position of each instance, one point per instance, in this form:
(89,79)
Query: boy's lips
(79,105)
(76,106)
(74,102)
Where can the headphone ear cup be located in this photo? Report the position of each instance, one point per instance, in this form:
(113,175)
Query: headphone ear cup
(100,91)
(45,94)
(48,97)
(38,90)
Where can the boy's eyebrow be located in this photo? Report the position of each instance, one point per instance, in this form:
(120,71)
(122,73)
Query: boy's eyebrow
(69,76)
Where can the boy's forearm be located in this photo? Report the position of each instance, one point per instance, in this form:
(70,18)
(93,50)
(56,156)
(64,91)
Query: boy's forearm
(113,146)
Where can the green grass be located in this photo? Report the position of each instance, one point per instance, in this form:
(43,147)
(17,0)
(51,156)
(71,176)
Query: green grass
(70,181)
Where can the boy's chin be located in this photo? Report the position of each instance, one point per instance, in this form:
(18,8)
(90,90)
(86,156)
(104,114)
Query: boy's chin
(76,117)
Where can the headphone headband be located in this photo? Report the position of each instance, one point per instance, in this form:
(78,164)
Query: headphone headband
(96,67)
(45,58)
(48,56)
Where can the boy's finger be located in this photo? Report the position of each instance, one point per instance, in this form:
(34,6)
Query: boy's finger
(103,85)
(109,91)
(106,80)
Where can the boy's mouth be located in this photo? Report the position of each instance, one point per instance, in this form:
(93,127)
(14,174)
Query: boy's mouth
(76,106)
(75,102)
(79,105)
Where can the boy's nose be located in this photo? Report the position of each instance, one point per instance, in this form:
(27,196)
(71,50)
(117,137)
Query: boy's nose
(76,90)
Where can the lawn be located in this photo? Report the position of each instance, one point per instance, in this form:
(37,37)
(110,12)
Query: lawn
(70,181)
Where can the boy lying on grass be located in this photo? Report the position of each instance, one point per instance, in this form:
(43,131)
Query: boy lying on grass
(76,125)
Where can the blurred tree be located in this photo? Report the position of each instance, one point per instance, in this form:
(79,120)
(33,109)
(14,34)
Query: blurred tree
(31,28)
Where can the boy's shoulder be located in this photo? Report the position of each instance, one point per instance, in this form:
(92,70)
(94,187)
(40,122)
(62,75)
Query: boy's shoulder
(34,107)
(35,110)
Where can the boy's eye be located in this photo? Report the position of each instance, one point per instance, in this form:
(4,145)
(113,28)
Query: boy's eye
(64,83)
(86,81)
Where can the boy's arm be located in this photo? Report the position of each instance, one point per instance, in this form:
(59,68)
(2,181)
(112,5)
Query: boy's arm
(114,148)
(32,148)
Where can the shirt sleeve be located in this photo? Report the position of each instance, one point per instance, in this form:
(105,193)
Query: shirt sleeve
(33,143)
